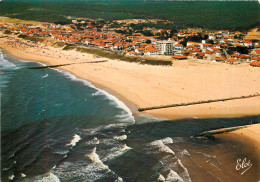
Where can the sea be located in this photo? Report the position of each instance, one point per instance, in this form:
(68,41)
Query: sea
(57,127)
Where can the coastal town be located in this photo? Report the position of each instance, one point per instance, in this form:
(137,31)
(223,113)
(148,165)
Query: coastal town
(132,38)
(129,99)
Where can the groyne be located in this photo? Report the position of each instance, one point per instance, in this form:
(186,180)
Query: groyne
(198,102)
(59,65)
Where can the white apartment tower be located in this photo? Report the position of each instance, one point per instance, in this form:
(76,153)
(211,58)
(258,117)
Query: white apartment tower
(165,47)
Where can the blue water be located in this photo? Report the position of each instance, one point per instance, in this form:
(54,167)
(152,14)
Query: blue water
(55,127)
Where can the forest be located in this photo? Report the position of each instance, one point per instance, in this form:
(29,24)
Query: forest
(232,15)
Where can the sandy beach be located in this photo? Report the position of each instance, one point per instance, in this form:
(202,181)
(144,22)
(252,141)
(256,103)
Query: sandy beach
(248,134)
(248,138)
(146,85)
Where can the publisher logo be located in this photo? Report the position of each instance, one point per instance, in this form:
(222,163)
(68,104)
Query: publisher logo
(243,165)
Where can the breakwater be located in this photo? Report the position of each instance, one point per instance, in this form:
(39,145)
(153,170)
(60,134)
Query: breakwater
(197,102)
(59,65)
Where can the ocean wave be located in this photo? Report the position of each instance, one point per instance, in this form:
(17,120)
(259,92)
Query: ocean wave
(11,177)
(163,150)
(123,137)
(94,157)
(116,152)
(76,138)
(49,177)
(45,76)
(96,93)
(161,178)
(173,176)
(94,141)
(118,103)
(185,152)
(6,65)
(160,146)
(85,171)
(94,131)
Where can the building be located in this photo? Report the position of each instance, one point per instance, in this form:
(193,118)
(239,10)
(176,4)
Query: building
(165,47)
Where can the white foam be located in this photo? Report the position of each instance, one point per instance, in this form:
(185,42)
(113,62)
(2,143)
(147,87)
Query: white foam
(178,139)
(185,174)
(23,175)
(170,161)
(161,178)
(11,177)
(173,176)
(5,64)
(61,152)
(92,131)
(97,93)
(119,179)
(116,152)
(123,137)
(185,152)
(94,157)
(89,172)
(45,76)
(167,140)
(48,178)
(76,138)
(161,145)
(125,147)
(94,141)
(112,98)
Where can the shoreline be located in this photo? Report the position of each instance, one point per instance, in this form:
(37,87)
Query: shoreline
(133,99)
(88,72)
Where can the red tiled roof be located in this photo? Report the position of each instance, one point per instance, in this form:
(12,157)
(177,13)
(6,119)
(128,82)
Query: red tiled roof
(209,52)
(255,63)
(256,58)
(201,54)
(24,30)
(179,57)
(257,51)
(220,58)
(232,59)
(151,49)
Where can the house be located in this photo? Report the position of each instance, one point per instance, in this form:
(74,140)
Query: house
(221,59)
(23,31)
(2,26)
(72,40)
(200,55)
(232,61)
(256,52)
(118,46)
(204,46)
(181,35)
(257,46)
(178,47)
(245,57)
(255,64)
(152,51)
(256,58)
(43,34)
(86,41)
(212,37)
(179,57)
